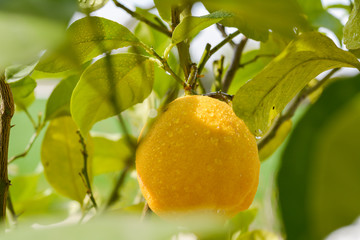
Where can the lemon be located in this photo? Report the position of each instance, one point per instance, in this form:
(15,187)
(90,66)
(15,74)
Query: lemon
(198,157)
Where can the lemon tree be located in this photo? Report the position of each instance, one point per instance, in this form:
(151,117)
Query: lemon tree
(171,118)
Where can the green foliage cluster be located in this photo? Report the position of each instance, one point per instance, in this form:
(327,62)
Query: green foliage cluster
(112,77)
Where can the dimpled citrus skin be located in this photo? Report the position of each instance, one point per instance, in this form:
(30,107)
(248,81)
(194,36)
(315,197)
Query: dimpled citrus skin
(198,157)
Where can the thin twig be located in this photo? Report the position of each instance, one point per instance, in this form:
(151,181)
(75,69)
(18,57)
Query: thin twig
(115,196)
(293,107)
(141,18)
(30,144)
(234,66)
(131,143)
(223,32)
(85,169)
(30,118)
(208,52)
(241,65)
(164,64)
(37,127)
(223,42)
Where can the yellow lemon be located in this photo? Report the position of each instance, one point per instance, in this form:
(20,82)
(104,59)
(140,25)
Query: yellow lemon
(198,157)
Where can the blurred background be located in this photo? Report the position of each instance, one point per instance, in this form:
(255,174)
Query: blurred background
(317,168)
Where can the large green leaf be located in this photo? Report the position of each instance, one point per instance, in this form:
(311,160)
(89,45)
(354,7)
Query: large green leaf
(98,96)
(190,26)
(62,158)
(87,38)
(260,100)
(58,103)
(319,176)
(352,28)
(254,18)
(110,155)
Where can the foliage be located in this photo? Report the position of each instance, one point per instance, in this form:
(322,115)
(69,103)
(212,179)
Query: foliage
(117,78)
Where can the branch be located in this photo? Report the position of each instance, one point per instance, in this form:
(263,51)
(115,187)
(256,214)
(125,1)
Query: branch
(33,138)
(141,18)
(30,118)
(223,32)
(164,64)
(6,112)
(208,52)
(234,66)
(85,169)
(223,42)
(293,107)
(115,196)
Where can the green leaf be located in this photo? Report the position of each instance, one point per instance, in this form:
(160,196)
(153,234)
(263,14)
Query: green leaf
(151,37)
(58,103)
(242,221)
(319,176)
(17,72)
(98,96)
(319,17)
(22,91)
(352,28)
(258,235)
(110,155)
(277,140)
(260,100)
(91,5)
(190,26)
(164,8)
(24,187)
(248,72)
(268,50)
(62,158)
(86,38)
(254,18)
(22,88)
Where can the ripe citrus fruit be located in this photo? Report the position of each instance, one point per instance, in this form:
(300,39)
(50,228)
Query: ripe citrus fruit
(198,157)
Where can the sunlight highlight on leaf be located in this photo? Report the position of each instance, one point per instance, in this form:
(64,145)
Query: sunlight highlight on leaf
(98,96)
(62,159)
(260,100)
